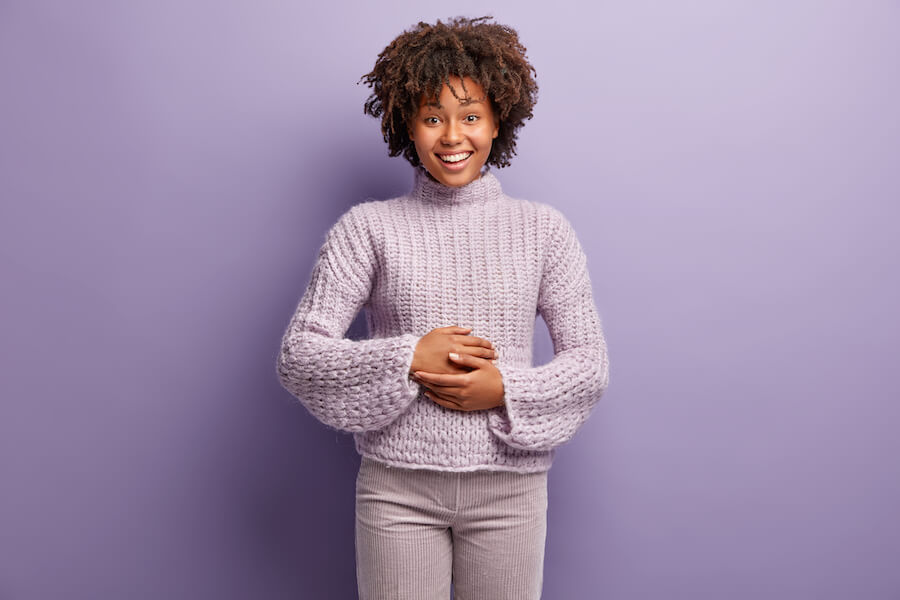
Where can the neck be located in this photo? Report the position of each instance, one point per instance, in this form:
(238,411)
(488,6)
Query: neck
(483,189)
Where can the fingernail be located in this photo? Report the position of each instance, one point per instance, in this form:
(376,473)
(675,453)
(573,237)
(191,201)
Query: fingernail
(454,356)
(496,353)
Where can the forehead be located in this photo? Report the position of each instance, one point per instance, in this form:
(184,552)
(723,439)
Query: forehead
(473,94)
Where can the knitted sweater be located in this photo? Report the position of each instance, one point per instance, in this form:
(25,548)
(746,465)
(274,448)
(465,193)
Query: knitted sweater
(438,256)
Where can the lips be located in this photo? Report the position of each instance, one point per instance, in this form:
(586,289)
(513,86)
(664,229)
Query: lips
(454,158)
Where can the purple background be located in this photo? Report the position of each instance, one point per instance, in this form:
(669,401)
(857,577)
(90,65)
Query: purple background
(168,170)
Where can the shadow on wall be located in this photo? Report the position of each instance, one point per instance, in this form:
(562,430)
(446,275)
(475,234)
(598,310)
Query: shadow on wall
(294,500)
(297,504)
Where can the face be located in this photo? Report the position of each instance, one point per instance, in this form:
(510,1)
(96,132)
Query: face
(453,137)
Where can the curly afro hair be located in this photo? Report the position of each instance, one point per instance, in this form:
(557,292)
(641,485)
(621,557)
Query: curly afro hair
(421,60)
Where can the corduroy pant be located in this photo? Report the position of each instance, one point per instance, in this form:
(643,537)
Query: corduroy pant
(417,529)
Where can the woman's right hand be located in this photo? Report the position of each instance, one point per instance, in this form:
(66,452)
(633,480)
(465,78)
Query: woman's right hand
(432,353)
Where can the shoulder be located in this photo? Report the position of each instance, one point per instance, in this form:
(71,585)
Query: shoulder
(368,224)
(559,242)
(553,216)
(370,212)
(549,220)
(358,213)
(354,222)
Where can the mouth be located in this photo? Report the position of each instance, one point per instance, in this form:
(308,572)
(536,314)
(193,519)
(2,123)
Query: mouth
(455,159)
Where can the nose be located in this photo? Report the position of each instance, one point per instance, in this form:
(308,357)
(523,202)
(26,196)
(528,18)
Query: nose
(452,134)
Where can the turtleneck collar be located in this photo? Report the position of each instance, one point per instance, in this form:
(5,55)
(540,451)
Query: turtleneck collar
(483,189)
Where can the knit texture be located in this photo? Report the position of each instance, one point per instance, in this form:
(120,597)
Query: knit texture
(439,256)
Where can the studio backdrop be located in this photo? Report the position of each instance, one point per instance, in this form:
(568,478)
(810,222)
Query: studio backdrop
(168,171)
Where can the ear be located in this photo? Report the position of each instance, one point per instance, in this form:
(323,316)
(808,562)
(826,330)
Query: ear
(496,129)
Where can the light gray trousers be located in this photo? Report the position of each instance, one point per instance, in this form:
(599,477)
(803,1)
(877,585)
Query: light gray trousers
(417,529)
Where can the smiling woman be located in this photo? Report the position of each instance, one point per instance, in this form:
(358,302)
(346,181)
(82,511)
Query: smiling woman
(421,61)
(457,431)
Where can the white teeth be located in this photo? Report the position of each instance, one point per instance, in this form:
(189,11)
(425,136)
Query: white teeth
(452,158)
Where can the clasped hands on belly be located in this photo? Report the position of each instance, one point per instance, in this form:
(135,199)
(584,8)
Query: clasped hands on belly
(457,369)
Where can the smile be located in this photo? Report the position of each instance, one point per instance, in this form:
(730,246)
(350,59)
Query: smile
(454,158)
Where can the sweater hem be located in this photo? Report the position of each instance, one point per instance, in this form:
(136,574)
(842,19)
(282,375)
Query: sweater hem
(458,469)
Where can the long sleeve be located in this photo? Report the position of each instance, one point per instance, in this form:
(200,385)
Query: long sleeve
(545,405)
(349,385)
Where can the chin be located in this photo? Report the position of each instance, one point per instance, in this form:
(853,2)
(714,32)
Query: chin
(454,179)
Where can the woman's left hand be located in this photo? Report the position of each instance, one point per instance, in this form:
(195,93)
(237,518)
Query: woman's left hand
(479,389)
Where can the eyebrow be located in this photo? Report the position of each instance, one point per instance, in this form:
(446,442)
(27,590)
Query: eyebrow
(465,102)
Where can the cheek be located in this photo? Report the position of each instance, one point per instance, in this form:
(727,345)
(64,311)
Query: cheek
(419,136)
(421,148)
(416,139)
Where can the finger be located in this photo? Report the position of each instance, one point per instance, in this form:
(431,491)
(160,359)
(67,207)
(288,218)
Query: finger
(469,360)
(442,402)
(446,392)
(488,353)
(468,340)
(457,329)
(441,379)
(440,395)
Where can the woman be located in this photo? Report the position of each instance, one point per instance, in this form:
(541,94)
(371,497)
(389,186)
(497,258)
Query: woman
(456,431)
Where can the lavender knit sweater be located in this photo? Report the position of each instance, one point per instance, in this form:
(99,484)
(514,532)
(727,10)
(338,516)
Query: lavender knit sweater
(439,256)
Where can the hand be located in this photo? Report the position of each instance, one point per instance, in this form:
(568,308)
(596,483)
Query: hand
(434,347)
(479,389)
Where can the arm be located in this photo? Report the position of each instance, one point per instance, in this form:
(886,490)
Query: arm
(349,385)
(544,406)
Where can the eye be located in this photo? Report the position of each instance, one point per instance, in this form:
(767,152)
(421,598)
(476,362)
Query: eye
(432,120)
(472,118)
